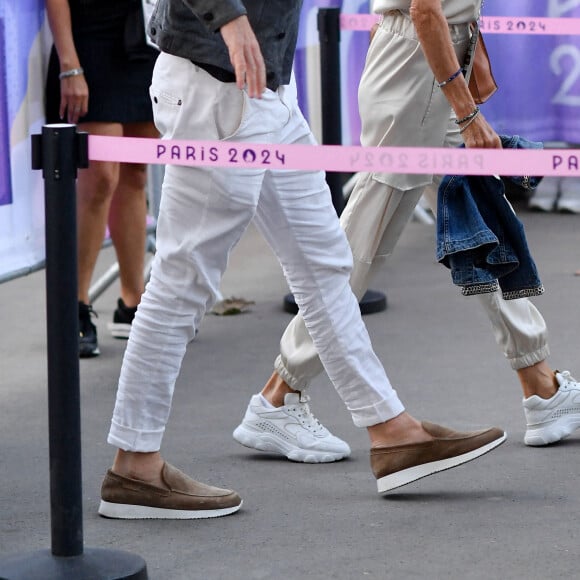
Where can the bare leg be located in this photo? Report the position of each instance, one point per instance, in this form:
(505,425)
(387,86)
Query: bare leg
(127,220)
(142,466)
(95,189)
(401,430)
(276,389)
(538,379)
(127,225)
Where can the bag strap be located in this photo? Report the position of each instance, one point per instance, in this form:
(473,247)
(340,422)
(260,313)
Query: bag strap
(469,56)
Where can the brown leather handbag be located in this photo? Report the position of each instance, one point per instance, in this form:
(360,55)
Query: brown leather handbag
(482,84)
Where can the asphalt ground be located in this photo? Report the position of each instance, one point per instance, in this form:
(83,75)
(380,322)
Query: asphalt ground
(512,514)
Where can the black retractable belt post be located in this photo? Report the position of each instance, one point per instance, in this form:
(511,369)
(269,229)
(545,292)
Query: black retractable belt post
(329,35)
(59,151)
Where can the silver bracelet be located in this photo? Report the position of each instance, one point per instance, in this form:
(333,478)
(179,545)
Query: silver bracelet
(469,122)
(471,115)
(73,72)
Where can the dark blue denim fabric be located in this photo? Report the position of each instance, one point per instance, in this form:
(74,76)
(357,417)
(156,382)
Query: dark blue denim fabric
(480,238)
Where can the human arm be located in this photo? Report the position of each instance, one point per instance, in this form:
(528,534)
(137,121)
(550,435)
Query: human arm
(435,40)
(74,92)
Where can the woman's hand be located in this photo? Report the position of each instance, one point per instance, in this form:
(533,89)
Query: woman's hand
(480,134)
(74,98)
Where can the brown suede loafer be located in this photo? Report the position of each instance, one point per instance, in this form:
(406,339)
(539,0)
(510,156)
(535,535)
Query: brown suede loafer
(182,499)
(402,464)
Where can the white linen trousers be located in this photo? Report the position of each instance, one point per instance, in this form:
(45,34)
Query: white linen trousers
(401,106)
(204,211)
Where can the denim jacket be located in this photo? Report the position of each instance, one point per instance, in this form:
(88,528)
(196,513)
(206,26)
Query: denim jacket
(480,238)
(190,29)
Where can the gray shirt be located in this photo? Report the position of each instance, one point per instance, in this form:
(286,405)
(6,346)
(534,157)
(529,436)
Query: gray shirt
(190,29)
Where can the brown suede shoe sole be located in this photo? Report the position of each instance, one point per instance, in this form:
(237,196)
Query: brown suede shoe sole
(184,498)
(402,464)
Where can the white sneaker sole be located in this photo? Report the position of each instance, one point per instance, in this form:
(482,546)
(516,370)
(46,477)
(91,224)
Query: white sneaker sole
(395,480)
(552,432)
(90,354)
(270,443)
(119,329)
(139,512)
(568,208)
(544,205)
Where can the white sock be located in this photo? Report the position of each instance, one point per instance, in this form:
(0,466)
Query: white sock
(266,403)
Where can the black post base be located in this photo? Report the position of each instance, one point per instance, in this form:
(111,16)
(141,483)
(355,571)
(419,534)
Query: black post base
(371,303)
(93,564)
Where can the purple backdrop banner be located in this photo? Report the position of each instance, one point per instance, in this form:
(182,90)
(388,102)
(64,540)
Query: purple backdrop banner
(353,47)
(23,45)
(538,76)
(5,188)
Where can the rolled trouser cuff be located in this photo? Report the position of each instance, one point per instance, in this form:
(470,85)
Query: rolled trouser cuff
(377,413)
(134,440)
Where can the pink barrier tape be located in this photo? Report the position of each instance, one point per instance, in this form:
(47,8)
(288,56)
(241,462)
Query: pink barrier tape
(358,21)
(488,24)
(339,158)
(530,25)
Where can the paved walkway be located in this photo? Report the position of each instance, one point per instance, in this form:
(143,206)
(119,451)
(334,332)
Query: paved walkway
(509,515)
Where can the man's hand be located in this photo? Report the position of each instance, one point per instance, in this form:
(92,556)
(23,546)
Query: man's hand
(245,55)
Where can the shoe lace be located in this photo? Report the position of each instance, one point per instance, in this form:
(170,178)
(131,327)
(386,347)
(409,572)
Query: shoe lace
(304,414)
(567,376)
(85,318)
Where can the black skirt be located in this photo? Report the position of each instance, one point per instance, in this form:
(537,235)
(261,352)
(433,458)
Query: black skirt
(117,63)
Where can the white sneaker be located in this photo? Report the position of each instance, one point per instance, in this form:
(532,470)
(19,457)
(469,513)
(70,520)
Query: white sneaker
(545,196)
(550,420)
(291,430)
(569,200)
